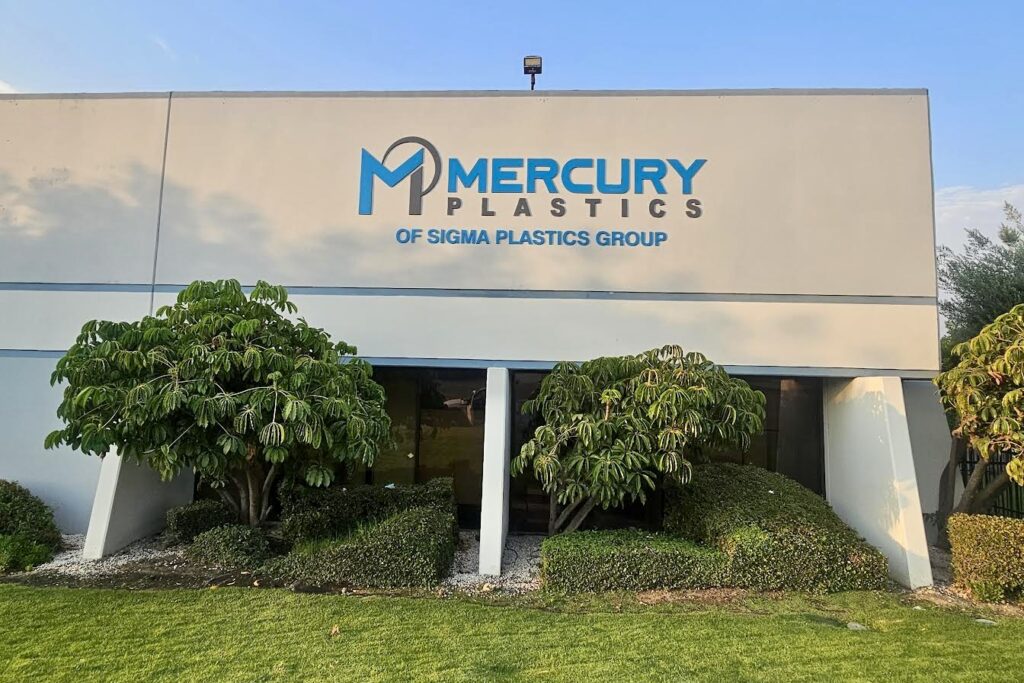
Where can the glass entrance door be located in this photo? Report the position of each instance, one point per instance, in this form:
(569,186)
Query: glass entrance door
(437,425)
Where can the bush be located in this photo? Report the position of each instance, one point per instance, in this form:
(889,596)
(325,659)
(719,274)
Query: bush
(233,546)
(988,555)
(318,513)
(776,533)
(23,514)
(20,553)
(595,561)
(186,522)
(412,548)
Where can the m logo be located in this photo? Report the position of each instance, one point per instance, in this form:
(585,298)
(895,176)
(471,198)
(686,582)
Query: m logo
(411,168)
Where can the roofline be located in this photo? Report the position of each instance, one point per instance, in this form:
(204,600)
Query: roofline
(764,92)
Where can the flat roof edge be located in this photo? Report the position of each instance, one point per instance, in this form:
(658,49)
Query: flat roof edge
(759,92)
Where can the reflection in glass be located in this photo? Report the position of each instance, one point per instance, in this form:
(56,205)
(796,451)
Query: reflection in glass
(792,444)
(437,427)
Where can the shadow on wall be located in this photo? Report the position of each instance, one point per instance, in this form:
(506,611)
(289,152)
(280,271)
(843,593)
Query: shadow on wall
(53,229)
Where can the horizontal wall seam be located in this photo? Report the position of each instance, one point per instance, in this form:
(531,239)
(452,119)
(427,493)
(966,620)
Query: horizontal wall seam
(523,364)
(738,92)
(313,290)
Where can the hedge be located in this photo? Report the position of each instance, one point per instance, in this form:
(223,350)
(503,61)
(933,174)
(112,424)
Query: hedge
(185,522)
(20,553)
(412,548)
(988,555)
(25,515)
(320,513)
(233,546)
(777,534)
(596,561)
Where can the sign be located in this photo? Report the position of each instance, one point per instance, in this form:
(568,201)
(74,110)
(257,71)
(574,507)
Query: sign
(595,186)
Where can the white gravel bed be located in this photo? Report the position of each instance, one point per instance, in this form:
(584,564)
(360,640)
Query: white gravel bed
(520,565)
(70,562)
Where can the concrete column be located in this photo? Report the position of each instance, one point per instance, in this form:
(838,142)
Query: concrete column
(494,501)
(869,472)
(131,502)
(930,440)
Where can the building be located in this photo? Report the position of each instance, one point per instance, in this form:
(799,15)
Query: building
(465,241)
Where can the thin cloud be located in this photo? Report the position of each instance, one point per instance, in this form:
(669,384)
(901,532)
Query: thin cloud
(7,88)
(962,207)
(164,47)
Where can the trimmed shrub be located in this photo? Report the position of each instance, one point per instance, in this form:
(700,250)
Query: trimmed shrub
(319,513)
(596,561)
(23,514)
(233,546)
(412,548)
(185,522)
(20,553)
(988,555)
(776,533)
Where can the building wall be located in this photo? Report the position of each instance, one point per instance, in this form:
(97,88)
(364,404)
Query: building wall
(79,195)
(804,256)
(814,253)
(64,479)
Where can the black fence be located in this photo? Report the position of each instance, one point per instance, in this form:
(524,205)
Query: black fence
(1009,503)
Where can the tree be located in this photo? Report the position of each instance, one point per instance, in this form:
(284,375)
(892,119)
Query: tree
(224,384)
(985,392)
(981,283)
(987,279)
(613,426)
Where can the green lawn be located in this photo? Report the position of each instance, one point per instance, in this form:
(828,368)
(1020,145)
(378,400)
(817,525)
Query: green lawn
(274,635)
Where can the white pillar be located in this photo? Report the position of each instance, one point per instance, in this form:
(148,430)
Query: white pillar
(131,502)
(869,472)
(494,501)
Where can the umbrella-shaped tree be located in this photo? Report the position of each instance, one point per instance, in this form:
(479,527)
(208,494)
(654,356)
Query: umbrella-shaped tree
(223,383)
(613,426)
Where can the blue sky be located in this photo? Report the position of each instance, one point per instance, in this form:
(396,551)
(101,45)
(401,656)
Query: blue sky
(970,55)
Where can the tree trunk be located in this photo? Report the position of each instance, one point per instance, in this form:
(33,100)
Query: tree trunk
(268,484)
(983,501)
(552,513)
(581,515)
(254,493)
(972,488)
(571,516)
(243,498)
(564,515)
(975,499)
(255,497)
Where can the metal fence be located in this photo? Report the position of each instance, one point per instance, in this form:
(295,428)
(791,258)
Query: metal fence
(1009,503)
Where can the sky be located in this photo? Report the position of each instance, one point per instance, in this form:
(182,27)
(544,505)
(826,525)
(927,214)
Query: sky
(969,55)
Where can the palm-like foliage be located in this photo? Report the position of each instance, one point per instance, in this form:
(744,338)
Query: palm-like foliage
(986,392)
(225,384)
(613,426)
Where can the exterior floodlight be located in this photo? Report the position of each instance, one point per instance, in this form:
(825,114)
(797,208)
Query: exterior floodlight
(532,67)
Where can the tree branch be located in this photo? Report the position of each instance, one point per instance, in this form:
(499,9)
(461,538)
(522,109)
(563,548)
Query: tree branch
(993,489)
(267,483)
(581,515)
(566,512)
(967,498)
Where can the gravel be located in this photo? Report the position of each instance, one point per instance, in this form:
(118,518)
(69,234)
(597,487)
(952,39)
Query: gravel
(520,571)
(69,562)
(520,565)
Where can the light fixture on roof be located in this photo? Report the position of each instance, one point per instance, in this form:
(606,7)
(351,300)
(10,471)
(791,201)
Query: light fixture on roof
(532,67)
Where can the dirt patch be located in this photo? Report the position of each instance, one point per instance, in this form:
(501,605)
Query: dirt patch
(956,598)
(707,596)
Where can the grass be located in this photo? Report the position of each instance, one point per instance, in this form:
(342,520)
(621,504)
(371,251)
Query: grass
(272,635)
